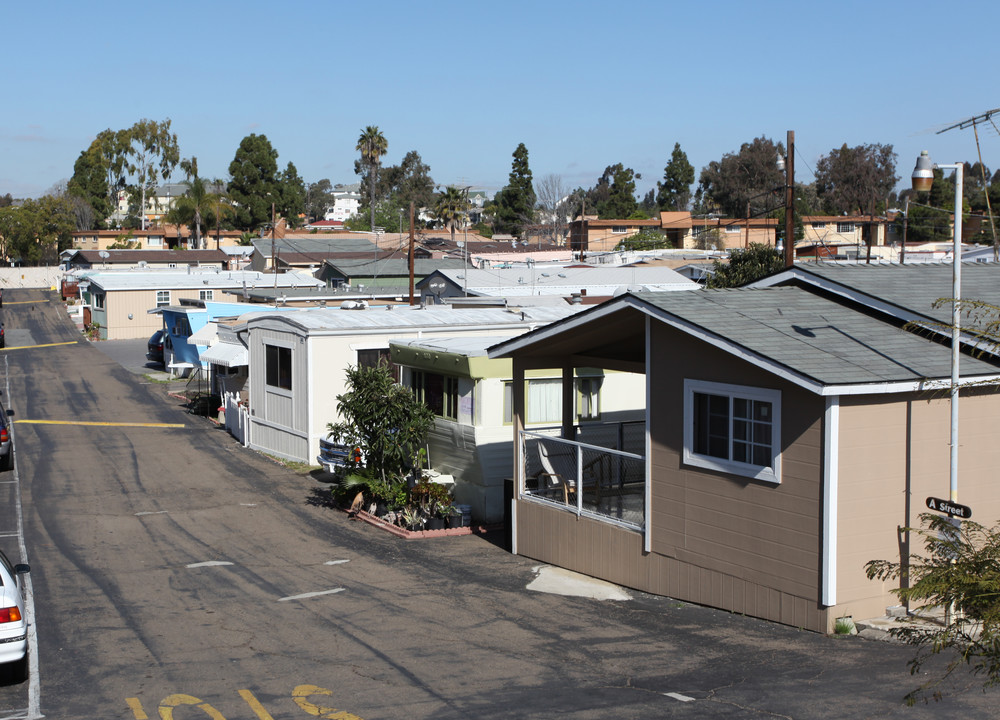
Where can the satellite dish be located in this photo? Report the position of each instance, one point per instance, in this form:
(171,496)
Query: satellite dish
(142,263)
(104,254)
(436,286)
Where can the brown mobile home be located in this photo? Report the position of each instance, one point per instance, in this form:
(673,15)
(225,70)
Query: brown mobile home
(789,436)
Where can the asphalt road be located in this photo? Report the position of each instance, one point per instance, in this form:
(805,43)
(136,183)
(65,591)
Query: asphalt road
(177,575)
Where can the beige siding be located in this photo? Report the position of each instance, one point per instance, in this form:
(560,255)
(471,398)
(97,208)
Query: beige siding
(893,455)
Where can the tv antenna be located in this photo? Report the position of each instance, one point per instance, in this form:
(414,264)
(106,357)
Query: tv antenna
(973,122)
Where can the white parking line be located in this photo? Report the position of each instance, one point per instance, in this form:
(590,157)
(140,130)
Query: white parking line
(310,595)
(678,696)
(152,512)
(34,684)
(336,562)
(208,563)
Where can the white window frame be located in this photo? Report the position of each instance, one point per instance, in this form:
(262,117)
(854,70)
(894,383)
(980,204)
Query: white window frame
(204,295)
(734,228)
(819,225)
(845,228)
(160,301)
(619,229)
(770,473)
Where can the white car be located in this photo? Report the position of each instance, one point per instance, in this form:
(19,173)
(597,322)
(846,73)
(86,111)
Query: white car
(13,624)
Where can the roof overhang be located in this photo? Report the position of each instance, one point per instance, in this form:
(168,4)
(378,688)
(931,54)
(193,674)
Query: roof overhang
(225,354)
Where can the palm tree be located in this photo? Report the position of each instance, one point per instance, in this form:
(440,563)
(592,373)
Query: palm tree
(372,145)
(192,206)
(450,207)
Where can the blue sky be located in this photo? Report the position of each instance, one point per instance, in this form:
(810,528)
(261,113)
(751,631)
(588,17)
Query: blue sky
(582,84)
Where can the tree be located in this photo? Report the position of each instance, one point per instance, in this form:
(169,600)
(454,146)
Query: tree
(319,196)
(99,175)
(292,202)
(254,182)
(856,180)
(645,239)
(745,266)
(384,419)
(749,176)
(196,204)
(450,207)
(621,201)
(35,232)
(410,181)
(152,154)
(961,569)
(674,193)
(514,205)
(553,203)
(372,145)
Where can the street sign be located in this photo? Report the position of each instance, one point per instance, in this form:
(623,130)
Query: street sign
(949,508)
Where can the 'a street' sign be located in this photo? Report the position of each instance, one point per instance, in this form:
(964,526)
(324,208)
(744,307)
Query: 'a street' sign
(950,508)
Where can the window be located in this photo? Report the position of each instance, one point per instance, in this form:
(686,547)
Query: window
(376,357)
(278,366)
(733,228)
(438,392)
(733,429)
(94,239)
(206,294)
(819,225)
(843,227)
(162,298)
(618,229)
(99,300)
(588,398)
(154,241)
(543,400)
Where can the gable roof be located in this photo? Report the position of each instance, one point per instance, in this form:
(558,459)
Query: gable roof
(810,340)
(906,292)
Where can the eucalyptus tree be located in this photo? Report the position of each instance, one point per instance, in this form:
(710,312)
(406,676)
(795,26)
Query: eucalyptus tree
(372,145)
(152,154)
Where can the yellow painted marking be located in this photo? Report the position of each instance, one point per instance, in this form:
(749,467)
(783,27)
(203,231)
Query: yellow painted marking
(168,704)
(255,706)
(136,708)
(299,695)
(99,424)
(32,347)
(27,302)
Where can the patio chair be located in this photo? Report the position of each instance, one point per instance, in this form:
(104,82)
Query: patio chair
(559,472)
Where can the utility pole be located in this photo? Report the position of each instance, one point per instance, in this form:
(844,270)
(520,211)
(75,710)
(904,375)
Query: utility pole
(906,219)
(410,255)
(790,201)
(274,258)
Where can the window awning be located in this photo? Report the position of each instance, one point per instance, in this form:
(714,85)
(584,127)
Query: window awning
(225,354)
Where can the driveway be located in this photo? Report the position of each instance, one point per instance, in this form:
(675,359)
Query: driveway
(176,574)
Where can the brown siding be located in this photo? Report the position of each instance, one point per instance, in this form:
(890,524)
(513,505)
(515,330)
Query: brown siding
(730,542)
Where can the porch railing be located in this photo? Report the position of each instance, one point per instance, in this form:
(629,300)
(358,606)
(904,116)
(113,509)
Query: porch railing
(591,480)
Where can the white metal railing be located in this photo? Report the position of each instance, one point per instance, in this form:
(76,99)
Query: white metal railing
(605,484)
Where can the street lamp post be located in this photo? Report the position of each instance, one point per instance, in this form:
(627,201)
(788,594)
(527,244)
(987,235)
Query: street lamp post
(923,178)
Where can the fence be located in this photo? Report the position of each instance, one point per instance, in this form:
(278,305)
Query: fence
(237,417)
(587,479)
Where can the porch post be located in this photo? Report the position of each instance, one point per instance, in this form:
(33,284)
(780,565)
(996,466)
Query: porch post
(517,418)
(568,403)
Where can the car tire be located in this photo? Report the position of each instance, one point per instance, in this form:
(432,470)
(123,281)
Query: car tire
(8,461)
(19,670)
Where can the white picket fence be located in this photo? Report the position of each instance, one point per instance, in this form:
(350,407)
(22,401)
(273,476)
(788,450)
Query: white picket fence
(237,418)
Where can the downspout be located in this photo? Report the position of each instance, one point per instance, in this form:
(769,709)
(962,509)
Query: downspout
(831,471)
(647,535)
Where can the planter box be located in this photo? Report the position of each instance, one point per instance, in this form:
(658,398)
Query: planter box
(417,534)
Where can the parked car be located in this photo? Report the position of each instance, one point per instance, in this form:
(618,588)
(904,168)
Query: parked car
(6,445)
(154,348)
(334,455)
(13,625)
